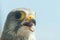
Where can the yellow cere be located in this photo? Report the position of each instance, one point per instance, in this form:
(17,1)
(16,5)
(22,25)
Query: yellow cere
(29,18)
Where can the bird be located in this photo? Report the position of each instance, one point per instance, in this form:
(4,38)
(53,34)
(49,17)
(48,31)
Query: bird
(20,25)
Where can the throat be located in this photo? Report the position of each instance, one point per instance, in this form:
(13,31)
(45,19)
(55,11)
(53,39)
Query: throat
(23,34)
(22,38)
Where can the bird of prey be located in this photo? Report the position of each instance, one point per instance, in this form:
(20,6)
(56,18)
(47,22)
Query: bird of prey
(20,25)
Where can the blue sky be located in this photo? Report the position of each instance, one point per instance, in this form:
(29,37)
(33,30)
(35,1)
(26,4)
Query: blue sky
(47,16)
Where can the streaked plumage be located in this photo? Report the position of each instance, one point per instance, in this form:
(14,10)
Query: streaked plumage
(19,25)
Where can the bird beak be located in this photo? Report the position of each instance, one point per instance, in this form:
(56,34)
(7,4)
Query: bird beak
(29,18)
(29,23)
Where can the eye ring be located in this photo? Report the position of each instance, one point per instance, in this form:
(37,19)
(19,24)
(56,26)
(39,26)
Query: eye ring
(23,15)
(20,15)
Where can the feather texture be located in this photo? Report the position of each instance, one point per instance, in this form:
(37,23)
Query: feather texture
(15,29)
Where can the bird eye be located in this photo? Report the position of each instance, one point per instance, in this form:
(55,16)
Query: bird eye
(20,15)
(17,15)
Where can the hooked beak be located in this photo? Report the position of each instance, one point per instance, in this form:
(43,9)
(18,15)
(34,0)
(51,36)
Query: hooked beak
(30,22)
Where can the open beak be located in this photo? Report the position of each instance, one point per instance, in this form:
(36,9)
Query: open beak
(30,21)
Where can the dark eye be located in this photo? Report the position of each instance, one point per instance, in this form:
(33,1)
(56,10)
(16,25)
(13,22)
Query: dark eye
(17,15)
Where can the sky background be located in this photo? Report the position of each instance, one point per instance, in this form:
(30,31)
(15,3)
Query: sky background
(47,16)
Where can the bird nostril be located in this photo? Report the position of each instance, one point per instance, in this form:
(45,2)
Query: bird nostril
(30,17)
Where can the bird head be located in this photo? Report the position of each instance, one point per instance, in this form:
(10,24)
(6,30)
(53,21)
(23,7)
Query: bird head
(26,18)
(19,25)
(20,21)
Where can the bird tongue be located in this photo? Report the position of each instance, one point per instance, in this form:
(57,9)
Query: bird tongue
(29,24)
